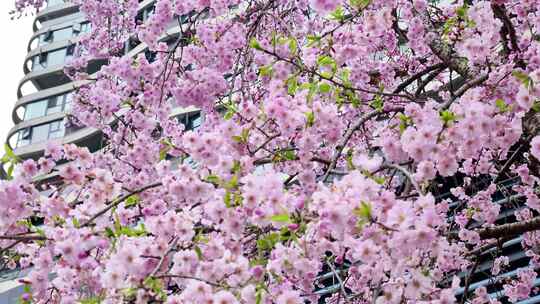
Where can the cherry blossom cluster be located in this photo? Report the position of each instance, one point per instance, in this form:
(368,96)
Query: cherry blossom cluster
(362,151)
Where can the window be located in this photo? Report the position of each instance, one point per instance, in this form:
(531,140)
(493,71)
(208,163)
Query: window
(62,34)
(70,51)
(36,134)
(76,29)
(40,133)
(191,121)
(54,2)
(85,27)
(54,105)
(56,57)
(47,106)
(24,137)
(39,62)
(52,58)
(56,129)
(46,38)
(35,109)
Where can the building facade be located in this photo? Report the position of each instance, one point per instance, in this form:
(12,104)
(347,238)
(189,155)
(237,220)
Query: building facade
(44,95)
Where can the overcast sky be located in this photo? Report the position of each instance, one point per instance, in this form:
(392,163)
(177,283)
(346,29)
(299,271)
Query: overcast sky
(15,36)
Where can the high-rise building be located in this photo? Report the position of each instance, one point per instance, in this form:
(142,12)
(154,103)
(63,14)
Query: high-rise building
(44,93)
(44,97)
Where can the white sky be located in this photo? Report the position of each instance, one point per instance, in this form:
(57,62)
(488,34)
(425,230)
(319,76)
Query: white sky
(15,35)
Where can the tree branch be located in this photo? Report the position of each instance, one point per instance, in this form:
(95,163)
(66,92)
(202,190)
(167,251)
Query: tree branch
(118,201)
(341,145)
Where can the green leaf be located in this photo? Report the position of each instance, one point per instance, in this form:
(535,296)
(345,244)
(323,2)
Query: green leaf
(163,153)
(232,183)
(281,218)
(238,199)
(228,115)
(289,155)
(462,11)
(324,87)
(536,106)
(10,171)
(268,242)
(293,46)
(448,25)
(378,103)
(109,233)
(361,4)
(405,121)
(132,200)
(76,223)
(10,153)
(253,43)
(349,158)
(259,294)
(227,199)
(338,14)
(447,116)
(312,40)
(524,78)
(265,71)
(130,292)
(502,106)
(214,179)
(237,167)
(310,119)
(243,137)
(325,60)
(156,286)
(92,300)
(292,85)
(363,211)
(199,253)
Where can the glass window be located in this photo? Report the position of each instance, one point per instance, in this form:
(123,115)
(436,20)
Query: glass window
(47,106)
(56,129)
(40,133)
(85,27)
(54,2)
(67,102)
(62,34)
(54,104)
(55,126)
(24,137)
(56,57)
(35,109)
(70,51)
(39,62)
(46,38)
(192,121)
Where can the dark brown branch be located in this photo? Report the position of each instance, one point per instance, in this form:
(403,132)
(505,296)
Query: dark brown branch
(510,229)
(445,53)
(341,145)
(475,82)
(24,237)
(118,201)
(418,75)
